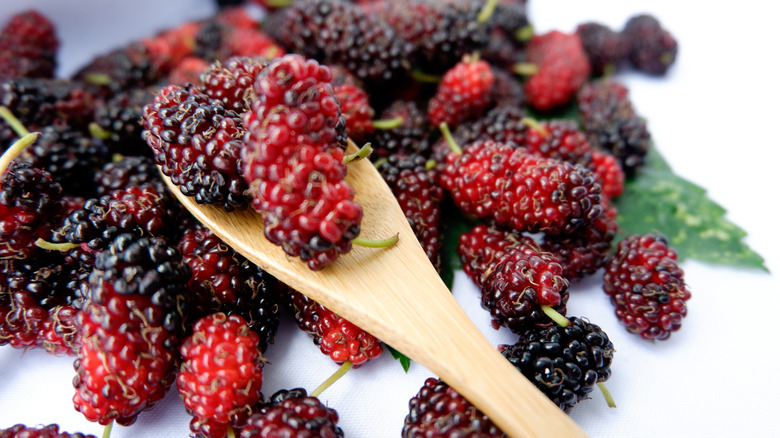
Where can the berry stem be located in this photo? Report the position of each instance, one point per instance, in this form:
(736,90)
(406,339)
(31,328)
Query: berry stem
(534,124)
(13,122)
(15,149)
(66,246)
(107,429)
(525,69)
(346,366)
(555,316)
(278,3)
(524,33)
(487,11)
(363,152)
(607,394)
(447,134)
(96,131)
(421,76)
(230,432)
(381,243)
(388,123)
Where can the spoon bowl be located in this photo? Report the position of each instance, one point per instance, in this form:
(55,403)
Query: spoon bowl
(396,295)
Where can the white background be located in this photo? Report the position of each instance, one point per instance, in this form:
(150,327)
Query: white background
(714,117)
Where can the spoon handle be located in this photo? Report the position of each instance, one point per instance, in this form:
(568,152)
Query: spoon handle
(396,294)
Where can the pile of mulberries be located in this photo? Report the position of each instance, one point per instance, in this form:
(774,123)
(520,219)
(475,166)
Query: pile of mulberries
(99,262)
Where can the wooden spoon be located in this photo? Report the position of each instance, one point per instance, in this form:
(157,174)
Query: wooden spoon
(396,294)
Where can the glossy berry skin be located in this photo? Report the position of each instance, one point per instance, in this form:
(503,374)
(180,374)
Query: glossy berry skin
(559,138)
(563,69)
(222,369)
(609,173)
(464,92)
(521,190)
(224,281)
(129,171)
(337,337)
(293,413)
(647,286)
(293,162)
(437,410)
(522,281)
(48,431)
(411,136)
(131,326)
(565,363)
(197,142)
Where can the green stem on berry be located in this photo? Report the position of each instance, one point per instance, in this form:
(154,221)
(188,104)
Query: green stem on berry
(15,149)
(107,429)
(487,11)
(13,122)
(607,394)
(388,123)
(363,152)
(555,316)
(67,246)
(524,33)
(525,69)
(278,3)
(378,163)
(230,432)
(447,134)
(420,76)
(346,366)
(381,243)
(430,164)
(534,124)
(97,79)
(96,131)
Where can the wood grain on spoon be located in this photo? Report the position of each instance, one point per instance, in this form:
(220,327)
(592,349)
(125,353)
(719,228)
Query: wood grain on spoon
(396,294)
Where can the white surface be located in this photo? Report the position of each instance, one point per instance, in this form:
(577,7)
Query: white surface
(713,117)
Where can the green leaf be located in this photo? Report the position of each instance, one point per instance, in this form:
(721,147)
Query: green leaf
(455,224)
(658,200)
(405,361)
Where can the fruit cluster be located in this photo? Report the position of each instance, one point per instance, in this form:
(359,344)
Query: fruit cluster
(100,262)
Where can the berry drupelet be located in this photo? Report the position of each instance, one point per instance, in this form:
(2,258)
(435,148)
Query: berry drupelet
(197,143)
(564,362)
(293,161)
(521,190)
(221,371)
(31,204)
(293,413)
(411,136)
(340,32)
(611,123)
(232,81)
(437,410)
(48,431)
(28,46)
(653,48)
(226,282)
(126,172)
(337,337)
(464,92)
(563,68)
(520,283)
(420,197)
(116,121)
(485,245)
(647,286)
(131,325)
(606,48)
